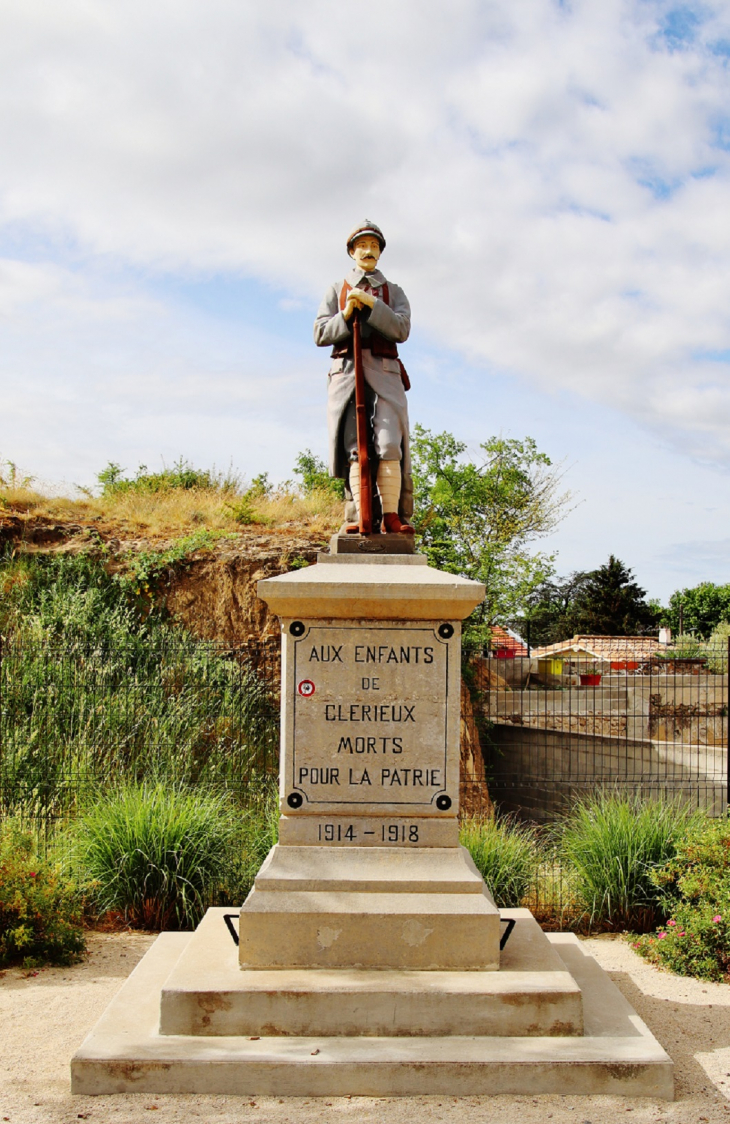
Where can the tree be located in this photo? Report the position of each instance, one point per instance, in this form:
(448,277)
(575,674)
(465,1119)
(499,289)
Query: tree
(477,519)
(703,606)
(315,475)
(602,602)
(550,615)
(610,603)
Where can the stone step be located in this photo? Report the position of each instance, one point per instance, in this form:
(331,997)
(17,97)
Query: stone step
(208,994)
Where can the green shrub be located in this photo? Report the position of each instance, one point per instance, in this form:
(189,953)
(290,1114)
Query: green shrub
(66,597)
(685,646)
(614,843)
(158,854)
(717,648)
(243,510)
(506,854)
(146,568)
(315,476)
(695,892)
(40,911)
(182,475)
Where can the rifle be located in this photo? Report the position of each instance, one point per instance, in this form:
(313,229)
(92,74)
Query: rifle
(366,490)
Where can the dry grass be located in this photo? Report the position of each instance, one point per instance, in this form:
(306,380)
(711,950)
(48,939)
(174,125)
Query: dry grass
(178,511)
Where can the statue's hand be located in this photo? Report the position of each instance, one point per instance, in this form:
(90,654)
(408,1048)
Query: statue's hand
(357,298)
(366,299)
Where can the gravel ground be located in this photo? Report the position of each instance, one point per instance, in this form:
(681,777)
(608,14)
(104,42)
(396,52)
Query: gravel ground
(44,1017)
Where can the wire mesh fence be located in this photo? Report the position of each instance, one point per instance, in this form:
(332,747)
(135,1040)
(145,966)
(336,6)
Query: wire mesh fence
(556,727)
(75,716)
(546,729)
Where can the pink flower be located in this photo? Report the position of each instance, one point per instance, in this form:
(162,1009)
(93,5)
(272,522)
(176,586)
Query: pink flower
(661,936)
(671,922)
(683,934)
(32,874)
(717,917)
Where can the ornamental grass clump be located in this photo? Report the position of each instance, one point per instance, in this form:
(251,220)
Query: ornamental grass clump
(40,910)
(614,844)
(506,854)
(695,891)
(156,853)
(259,833)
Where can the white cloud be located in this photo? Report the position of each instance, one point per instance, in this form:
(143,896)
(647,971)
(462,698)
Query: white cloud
(92,372)
(548,176)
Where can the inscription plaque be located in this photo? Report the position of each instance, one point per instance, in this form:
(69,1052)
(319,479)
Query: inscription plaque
(370,725)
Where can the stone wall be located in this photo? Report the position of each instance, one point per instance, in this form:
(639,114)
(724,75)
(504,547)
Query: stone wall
(538,772)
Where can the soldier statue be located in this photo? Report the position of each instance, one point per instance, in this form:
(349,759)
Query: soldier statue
(385,321)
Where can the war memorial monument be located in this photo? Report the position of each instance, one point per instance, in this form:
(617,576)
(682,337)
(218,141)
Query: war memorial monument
(370,958)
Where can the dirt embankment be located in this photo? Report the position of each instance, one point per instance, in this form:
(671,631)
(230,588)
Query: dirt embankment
(214,593)
(211,591)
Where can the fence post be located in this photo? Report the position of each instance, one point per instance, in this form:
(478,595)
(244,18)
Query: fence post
(727,739)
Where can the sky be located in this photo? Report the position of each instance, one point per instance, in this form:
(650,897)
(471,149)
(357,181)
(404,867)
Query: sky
(178,179)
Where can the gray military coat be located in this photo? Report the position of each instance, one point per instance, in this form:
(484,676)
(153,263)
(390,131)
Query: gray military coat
(382,375)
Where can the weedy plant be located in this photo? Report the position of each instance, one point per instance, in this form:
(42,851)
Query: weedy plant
(40,909)
(506,854)
(181,498)
(695,892)
(717,648)
(614,844)
(158,854)
(182,476)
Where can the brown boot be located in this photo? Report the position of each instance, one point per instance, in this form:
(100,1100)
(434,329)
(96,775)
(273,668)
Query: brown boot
(393,525)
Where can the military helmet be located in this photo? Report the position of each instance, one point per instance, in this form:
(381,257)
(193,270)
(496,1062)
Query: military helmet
(365,227)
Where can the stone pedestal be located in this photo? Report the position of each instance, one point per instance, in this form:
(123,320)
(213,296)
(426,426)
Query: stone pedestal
(369,872)
(368,957)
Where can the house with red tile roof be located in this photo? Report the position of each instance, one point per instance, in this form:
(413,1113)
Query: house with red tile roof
(507,645)
(614,650)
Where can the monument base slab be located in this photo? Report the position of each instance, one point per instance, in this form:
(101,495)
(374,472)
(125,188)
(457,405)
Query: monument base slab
(615,1055)
(350,930)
